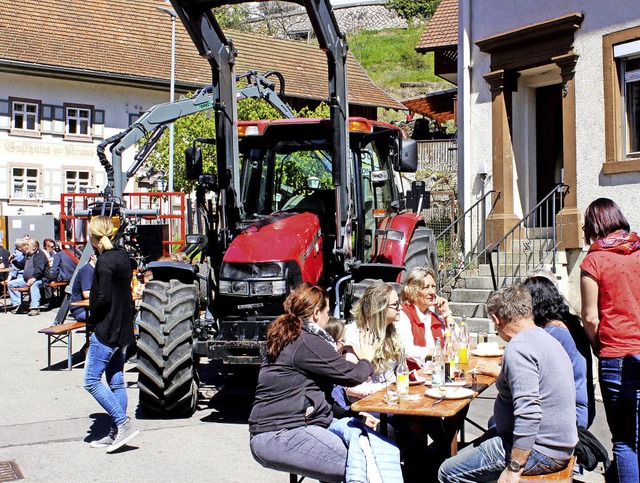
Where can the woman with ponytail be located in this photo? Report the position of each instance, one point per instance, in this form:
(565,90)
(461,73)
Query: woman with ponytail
(111,321)
(291,412)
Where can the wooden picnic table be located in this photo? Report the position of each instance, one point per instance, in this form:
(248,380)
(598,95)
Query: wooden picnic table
(452,411)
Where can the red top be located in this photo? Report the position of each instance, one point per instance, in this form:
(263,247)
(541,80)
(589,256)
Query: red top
(417,326)
(618,300)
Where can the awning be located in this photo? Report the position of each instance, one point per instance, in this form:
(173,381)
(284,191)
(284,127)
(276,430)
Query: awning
(439,106)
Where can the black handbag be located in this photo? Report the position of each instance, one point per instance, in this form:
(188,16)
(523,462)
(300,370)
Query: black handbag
(589,451)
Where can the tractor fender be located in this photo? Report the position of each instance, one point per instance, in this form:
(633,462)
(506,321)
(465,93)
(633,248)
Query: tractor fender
(398,229)
(166,271)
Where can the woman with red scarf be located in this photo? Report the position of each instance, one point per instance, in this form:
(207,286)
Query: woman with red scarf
(424,315)
(610,289)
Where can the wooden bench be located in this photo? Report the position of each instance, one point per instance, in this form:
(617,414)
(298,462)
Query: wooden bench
(57,291)
(61,336)
(23,291)
(563,476)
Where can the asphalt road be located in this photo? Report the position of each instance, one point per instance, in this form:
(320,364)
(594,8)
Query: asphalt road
(47,420)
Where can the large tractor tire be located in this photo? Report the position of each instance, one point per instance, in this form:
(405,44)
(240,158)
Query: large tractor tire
(422,250)
(167,374)
(357,289)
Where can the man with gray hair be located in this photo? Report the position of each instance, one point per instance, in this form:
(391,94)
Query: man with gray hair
(535,431)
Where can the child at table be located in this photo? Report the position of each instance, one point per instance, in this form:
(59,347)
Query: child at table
(341,407)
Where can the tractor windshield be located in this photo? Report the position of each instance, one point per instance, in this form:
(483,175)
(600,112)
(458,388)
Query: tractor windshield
(283,177)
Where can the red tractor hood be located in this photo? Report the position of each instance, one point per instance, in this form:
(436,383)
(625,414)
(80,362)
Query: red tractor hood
(278,237)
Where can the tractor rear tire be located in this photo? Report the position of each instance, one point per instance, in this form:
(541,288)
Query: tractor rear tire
(167,374)
(422,250)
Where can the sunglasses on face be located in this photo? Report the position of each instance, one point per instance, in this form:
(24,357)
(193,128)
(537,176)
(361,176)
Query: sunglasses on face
(394,306)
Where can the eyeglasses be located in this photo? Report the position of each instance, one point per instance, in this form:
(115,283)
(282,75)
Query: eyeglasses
(394,306)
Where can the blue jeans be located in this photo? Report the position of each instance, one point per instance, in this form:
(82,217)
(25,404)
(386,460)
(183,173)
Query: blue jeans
(311,451)
(102,359)
(485,459)
(620,383)
(35,292)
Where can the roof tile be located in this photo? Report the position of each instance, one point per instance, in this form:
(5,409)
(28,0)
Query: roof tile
(442,30)
(134,39)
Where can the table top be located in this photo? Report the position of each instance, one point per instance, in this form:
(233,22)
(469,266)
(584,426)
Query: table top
(421,405)
(85,302)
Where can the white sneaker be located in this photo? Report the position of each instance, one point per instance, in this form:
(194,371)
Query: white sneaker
(104,442)
(126,432)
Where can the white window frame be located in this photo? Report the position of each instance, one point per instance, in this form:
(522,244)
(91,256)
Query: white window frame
(24,111)
(77,181)
(72,112)
(30,184)
(623,53)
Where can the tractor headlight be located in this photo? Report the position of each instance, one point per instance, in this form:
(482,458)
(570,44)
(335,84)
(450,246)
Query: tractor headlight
(271,287)
(234,287)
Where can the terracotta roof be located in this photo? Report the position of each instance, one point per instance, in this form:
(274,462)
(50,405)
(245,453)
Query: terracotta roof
(132,41)
(437,105)
(442,30)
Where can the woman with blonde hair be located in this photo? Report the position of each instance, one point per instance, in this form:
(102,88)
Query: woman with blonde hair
(110,320)
(375,313)
(291,415)
(424,314)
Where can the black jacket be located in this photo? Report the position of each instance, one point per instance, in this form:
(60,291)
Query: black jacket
(293,391)
(63,266)
(111,308)
(36,266)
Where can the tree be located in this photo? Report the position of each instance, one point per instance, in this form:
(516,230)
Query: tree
(414,9)
(202,125)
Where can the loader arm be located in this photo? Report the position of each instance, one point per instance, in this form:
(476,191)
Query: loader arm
(200,23)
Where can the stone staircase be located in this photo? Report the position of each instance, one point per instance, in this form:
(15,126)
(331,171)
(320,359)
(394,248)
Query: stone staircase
(468,297)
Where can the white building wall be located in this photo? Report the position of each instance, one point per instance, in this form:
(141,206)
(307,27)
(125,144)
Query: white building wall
(51,152)
(600,18)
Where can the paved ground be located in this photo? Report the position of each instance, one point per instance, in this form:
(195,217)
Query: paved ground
(47,419)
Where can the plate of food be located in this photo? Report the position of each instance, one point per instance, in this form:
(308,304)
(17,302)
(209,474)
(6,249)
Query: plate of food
(487,349)
(449,392)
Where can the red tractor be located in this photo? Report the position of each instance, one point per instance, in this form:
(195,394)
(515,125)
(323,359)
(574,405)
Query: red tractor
(295,200)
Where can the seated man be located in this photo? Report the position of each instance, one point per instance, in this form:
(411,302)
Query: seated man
(36,272)
(81,289)
(535,411)
(64,264)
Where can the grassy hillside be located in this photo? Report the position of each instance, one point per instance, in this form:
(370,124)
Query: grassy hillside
(389,57)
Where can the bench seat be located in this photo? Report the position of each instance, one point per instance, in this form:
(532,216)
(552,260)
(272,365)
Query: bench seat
(61,336)
(563,476)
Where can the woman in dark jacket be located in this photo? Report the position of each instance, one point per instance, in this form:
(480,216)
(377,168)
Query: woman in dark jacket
(291,414)
(111,321)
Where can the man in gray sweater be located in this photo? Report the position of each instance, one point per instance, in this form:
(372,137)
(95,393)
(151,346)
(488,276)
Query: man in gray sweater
(535,431)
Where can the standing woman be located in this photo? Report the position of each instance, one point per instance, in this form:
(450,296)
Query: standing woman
(424,315)
(111,321)
(291,413)
(610,289)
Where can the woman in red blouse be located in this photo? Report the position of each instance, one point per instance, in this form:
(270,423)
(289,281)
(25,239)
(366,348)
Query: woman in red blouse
(610,288)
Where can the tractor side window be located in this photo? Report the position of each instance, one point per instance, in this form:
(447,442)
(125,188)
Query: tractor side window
(298,174)
(377,193)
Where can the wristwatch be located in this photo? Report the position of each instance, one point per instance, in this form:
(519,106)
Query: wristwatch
(514,466)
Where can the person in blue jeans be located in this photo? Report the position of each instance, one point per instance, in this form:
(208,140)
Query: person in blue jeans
(610,289)
(535,415)
(36,272)
(111,321)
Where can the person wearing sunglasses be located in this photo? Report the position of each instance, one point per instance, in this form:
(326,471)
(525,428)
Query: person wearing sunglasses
(375,313)
(424,315)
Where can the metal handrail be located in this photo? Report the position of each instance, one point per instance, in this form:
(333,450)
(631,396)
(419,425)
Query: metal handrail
(523,238)
(457,258)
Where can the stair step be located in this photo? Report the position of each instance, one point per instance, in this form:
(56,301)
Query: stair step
(478,325)
(462,309)
(485,283)
(470,295)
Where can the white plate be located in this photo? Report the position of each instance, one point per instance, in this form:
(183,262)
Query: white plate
(419,380)
(448,384)
(452,392)
(497,353)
